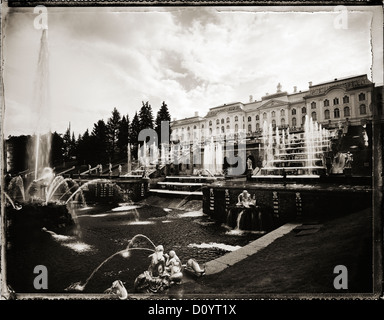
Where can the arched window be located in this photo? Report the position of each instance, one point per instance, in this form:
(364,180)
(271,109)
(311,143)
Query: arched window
(274,123)
(222,129)
(236,118)
(347,112)
(228,120)
(188,128)
(273,114)
(194,127)
(202,126)
(314,116)
(361,96)
(326,103)
(210,122)
(228,126)
(282,113)
(363,109)
(222,121)
(257,126)
(327,114)
(257,117)
(249,128)
(313,105)
(217,121)
(282,122)
(249,119)
(303,110)
(236,127)
(345,99)
(335,101)
(303,120)
(210,131)
(336,113)
(293,112)
(265,116)
(294,122)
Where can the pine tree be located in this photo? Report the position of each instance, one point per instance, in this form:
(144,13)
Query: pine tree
(67,143)
(135,129)
(134,133)
(113,125)
(57,148)
(146,116)
(99,141)
(162,115)
(122,141)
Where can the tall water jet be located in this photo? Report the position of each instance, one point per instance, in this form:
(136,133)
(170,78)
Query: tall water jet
(42,138)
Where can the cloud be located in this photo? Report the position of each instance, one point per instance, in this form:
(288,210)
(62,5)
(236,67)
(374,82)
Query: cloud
(191,58)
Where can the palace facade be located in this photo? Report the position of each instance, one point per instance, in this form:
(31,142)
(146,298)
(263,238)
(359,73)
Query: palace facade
(334,104)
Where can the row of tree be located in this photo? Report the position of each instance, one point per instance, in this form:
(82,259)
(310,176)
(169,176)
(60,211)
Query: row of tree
(106,142)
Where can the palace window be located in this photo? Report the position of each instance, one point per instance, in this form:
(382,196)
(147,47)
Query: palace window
(265,116)
(249,128)
(236,118)
(361,96)
(202,126)
(314,116)
(222,129)
(236,127)
(327,114)
(345,99)
(210,122)
(293,112)
(303,110)
(194,127)
(335,101)
(228,126)
(313,105)
(303,120)
(257,126)
(294,122)
(222,121)
(363,109)
(326,103)
(228,120)
(249,119)
(217,121)
(336,113)
(273,114)
(210,131)
(282,113)
(273,123)
(347,112)
(188,128)
(257,117)
(282,122)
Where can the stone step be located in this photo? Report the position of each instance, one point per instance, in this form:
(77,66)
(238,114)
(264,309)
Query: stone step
(171,183)
(186,193)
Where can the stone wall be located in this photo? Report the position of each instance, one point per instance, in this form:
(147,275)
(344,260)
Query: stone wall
(282,205)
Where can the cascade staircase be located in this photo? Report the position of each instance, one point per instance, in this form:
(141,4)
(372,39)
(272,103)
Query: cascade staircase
(181,186)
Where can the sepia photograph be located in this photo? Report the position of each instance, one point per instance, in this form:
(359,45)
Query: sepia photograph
(177,152)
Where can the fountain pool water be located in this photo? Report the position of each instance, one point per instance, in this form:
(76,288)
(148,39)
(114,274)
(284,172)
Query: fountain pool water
(110,247)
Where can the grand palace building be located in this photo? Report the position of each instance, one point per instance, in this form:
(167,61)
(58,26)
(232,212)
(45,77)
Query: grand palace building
(334,104)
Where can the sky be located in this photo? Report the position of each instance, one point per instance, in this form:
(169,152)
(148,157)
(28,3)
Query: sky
(193,58)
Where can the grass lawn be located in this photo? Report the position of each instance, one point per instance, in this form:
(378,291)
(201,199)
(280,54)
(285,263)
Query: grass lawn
(302,264)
